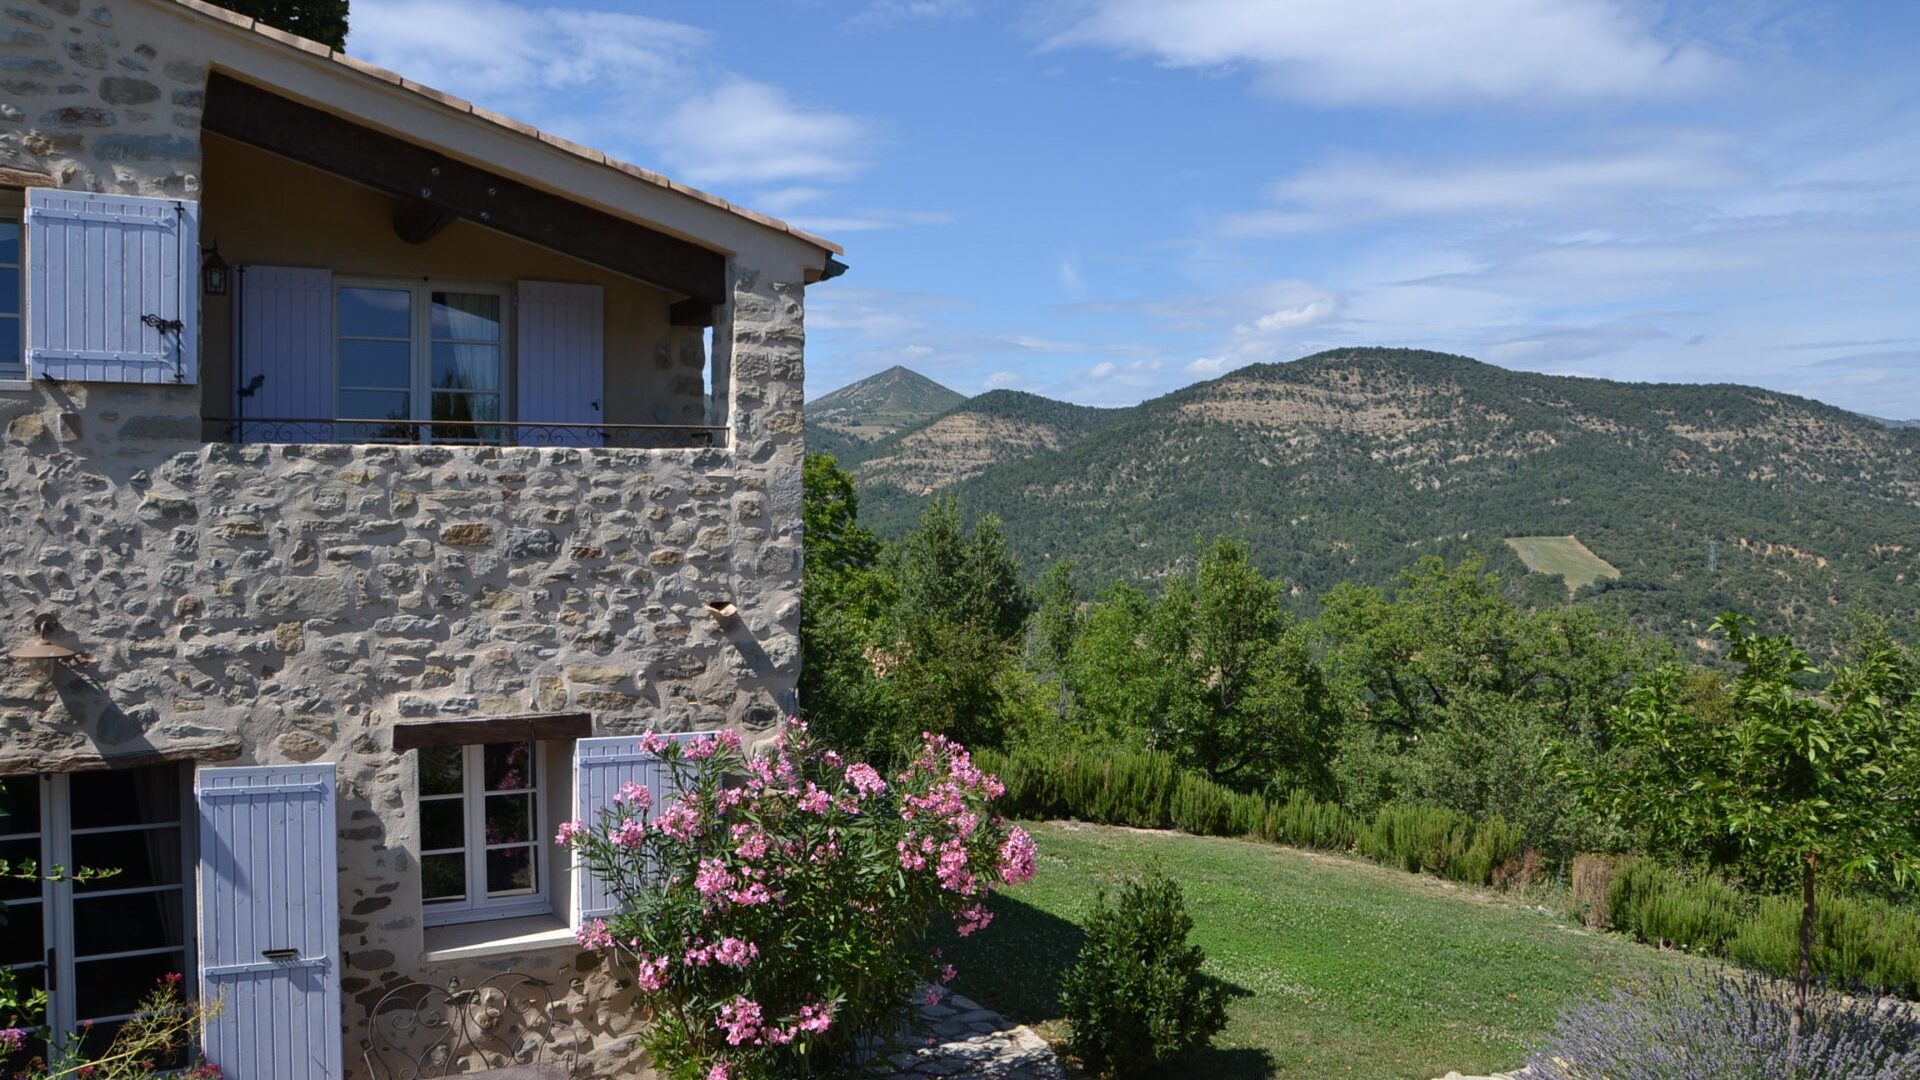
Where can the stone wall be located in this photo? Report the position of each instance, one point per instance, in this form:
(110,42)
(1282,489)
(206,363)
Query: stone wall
(272,604)
(91,101)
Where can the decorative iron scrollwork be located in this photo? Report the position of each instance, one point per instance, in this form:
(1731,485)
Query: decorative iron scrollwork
(419,1031)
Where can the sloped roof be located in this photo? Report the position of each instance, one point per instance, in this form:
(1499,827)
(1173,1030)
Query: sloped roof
(362,69)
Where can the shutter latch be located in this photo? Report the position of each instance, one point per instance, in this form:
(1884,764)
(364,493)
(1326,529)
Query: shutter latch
(163,325)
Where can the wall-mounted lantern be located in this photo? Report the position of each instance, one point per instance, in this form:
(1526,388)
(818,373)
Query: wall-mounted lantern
(213,273)
(46,653)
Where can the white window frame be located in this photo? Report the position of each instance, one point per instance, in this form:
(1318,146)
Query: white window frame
(476,905)
(420,344)
(13,211)
(56,833)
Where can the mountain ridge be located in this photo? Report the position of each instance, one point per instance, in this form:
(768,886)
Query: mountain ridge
(1352,463)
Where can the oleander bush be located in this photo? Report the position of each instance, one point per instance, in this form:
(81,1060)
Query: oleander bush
(1729,1027)
(774,910)
(1136,997)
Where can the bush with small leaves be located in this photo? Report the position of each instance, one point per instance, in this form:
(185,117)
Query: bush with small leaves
(1137,997)
(1726,1026)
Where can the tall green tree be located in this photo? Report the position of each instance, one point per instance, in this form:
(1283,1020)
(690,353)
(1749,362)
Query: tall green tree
(1801,783)
(1211,670)
(324,21)
(956,629)
(843,599)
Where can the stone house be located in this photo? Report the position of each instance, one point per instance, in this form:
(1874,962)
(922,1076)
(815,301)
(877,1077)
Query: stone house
(375,467)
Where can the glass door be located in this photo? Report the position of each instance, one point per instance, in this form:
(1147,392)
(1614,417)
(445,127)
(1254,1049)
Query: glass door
(98,946)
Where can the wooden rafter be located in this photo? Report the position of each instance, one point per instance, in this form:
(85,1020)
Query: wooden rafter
(431,181)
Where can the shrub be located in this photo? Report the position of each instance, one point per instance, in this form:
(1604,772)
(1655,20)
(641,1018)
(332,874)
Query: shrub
(1307,822)
(1136,996)
(773,910)
(1856,942)
(1443,842)
(1728,1027)
(1661,907)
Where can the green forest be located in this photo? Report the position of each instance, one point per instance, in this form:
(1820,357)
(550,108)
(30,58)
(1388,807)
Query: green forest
(1448,702)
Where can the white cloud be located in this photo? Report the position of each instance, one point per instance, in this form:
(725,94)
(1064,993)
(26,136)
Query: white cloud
(1102,369)
(1357,191)
(745,131)
(640,87)
(1408,52)
(889,12)
(1001,380)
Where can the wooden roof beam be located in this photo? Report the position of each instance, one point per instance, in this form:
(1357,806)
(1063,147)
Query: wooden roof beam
(422,175)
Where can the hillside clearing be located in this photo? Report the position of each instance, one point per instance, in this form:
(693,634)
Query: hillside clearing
(1341,968)
(1563,555)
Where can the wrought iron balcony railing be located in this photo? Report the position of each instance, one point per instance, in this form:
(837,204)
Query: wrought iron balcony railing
(252,429)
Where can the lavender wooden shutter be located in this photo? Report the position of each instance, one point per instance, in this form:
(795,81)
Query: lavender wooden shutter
(561,360)
(600,766)
(269,921)
(112,287)
(283,363)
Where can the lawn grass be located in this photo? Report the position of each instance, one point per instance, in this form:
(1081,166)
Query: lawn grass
(1563,555)
(1340,968)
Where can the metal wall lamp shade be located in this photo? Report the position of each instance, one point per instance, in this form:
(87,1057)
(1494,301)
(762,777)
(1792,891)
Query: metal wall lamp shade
(46,651)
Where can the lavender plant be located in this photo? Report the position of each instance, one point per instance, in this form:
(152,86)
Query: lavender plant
(1723,1026)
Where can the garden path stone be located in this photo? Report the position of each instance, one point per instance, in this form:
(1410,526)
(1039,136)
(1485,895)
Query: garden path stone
(963,1041)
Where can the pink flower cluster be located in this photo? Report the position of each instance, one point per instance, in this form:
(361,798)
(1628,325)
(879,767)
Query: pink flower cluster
(1017,853)
(865,779)
(634,794)
(593,934)
(569,832)
(727,952)
(973,919)
(743,1020)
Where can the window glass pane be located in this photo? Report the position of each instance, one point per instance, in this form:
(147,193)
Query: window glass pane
(143,857)
(9,290)
(443,877)
(20,941)
(466,367)
(440,770)
(384,313)
(509,766)
(15,852)
(443,824)
(374,363)
(11,350)
(19,804)
(375,405)
(125,796)
(111,924)
(115,987)
(466,316)
(10,242)
(466,406)
(510,870)
(509,819)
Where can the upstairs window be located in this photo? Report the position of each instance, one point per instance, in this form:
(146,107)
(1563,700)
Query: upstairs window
(12,281)
(481,832)
(420,353)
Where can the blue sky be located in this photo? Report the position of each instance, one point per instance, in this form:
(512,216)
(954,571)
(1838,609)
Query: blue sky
(1103,200)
